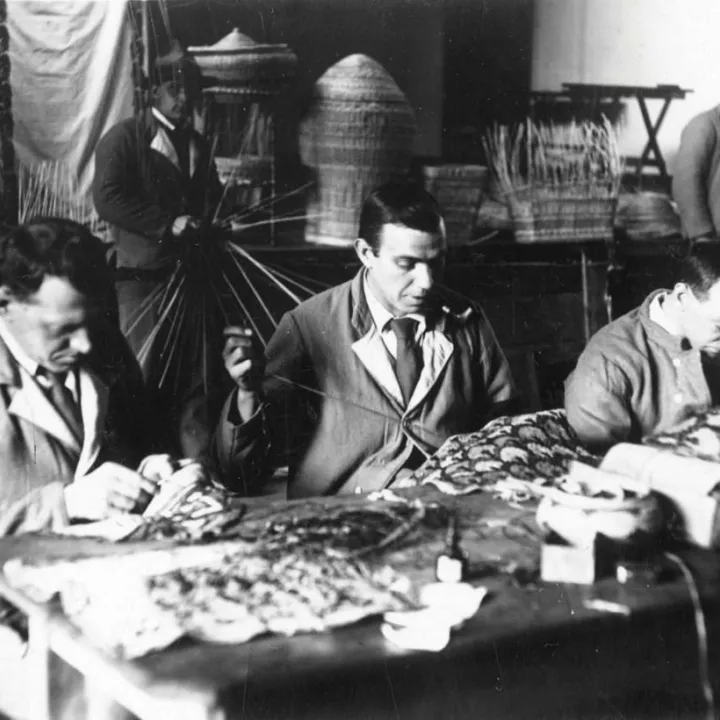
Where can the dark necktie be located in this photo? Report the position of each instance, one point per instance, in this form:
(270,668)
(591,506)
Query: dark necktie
(408,362)
(64,402)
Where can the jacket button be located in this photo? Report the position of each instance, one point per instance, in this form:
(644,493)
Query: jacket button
(678,397)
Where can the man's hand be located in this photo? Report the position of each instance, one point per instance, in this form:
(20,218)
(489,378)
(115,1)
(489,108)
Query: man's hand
(184,224)
(241,363)
(110,489)
(158,467)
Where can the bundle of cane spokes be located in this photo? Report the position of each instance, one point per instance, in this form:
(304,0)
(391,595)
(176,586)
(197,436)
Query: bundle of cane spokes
(217,282)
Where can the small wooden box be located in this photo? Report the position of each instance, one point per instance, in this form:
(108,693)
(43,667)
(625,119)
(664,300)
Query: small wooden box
(561,562)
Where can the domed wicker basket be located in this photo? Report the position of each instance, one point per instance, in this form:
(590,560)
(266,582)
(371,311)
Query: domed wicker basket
(359,133)
(238,60)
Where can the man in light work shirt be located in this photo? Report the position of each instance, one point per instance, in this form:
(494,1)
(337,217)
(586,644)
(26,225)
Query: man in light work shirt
(650,369)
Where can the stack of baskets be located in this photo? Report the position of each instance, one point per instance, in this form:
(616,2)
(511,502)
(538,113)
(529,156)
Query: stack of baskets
(358,134)
(459,190)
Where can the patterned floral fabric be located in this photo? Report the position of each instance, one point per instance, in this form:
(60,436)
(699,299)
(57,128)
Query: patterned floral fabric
(697,437)
(535,447)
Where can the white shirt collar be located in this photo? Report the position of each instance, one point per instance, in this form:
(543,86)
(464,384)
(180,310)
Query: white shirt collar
(381,315)
(22,358)
(657,314)
(162,119)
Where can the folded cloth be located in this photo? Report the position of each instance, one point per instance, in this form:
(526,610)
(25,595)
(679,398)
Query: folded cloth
(444,607)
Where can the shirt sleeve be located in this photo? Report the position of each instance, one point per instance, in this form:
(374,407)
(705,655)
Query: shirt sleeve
(690,180)
(242,450)
(596,401)
(497,376)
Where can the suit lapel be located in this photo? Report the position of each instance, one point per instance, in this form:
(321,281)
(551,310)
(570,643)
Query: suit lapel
(438,348)
(31,404)
(369,347)
(94,396)
(372,353)
(162,144)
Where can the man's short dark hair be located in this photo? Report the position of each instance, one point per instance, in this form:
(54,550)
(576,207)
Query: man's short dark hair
(54,247)
(399,203)
(700,269)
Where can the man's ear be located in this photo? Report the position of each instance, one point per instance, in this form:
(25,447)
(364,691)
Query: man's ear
(681,291)
(5,297)
(364,252)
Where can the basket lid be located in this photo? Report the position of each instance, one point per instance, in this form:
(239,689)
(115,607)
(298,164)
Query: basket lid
(234,41)
(358,77)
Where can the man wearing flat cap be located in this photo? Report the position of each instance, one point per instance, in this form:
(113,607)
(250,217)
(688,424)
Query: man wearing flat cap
(154,182)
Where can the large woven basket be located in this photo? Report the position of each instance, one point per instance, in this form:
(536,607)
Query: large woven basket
(562,214)
(459,190)
(358,134)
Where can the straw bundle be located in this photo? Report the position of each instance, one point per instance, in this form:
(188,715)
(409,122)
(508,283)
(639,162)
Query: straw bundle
(561,182)
(50,189)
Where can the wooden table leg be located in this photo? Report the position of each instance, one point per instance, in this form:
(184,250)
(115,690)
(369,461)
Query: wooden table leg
(37,662)
(594,294)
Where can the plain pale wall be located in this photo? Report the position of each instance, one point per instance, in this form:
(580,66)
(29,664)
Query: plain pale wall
(633,42)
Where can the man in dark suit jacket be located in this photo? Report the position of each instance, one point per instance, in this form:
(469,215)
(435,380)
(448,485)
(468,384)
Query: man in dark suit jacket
(73,419)
(154,181)
(385,367)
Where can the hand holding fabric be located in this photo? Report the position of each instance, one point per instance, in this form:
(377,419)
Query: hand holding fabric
(109,489)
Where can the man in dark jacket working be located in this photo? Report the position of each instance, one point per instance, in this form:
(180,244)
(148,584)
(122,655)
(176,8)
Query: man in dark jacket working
(154,181)
(382,369)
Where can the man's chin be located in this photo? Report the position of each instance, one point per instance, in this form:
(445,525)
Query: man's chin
(418,305)
(62,364)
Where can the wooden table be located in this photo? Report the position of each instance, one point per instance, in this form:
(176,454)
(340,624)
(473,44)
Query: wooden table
(531,651)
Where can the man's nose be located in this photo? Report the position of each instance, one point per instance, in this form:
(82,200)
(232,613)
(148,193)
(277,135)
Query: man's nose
(424,276)
(80,342)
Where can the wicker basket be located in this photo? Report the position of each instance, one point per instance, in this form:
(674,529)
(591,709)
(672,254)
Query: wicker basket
(647,216)
(359,133)
(237,59)
(562,214)
(459,190)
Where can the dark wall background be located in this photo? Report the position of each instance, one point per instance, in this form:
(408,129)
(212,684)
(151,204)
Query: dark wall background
(463,64)
(487,73)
